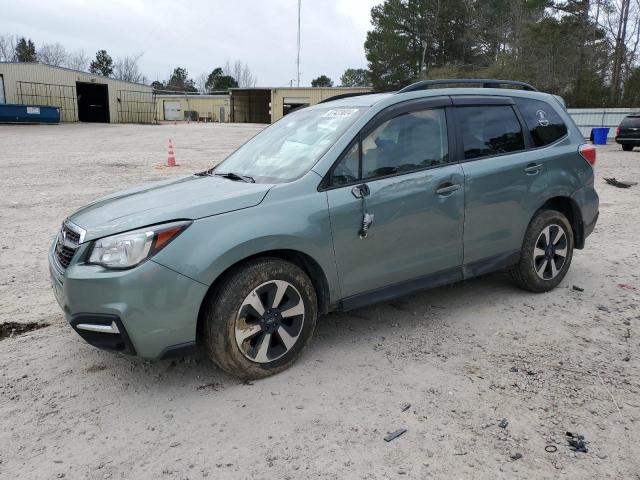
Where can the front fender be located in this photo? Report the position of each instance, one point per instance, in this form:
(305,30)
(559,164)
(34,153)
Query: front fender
(291,222)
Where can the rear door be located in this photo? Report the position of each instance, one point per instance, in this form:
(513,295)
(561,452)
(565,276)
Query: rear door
(398,173)
(504,172)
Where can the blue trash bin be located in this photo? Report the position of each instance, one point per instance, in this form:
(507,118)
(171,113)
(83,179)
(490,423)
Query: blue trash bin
(600,136)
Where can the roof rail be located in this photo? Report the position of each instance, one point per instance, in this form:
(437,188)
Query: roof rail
(485,82)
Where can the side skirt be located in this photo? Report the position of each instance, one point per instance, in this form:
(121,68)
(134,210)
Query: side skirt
(445,277)
(399,289)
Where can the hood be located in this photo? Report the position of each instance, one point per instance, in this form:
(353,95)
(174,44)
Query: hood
(190,198)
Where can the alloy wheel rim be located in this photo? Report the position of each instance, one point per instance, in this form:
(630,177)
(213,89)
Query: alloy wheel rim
(269,321)
(550,252)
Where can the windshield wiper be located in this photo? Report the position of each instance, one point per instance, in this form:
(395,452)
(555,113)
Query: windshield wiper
(236,177)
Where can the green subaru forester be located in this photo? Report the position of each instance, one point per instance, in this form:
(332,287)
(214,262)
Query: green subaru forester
(336,206)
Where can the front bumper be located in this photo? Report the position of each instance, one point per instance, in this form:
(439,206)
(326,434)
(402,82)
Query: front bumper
(150,310)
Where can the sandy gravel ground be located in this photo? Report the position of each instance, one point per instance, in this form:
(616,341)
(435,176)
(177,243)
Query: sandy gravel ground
(464,357)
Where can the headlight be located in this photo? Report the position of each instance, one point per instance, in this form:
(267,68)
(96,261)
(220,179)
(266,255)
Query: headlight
(129,249)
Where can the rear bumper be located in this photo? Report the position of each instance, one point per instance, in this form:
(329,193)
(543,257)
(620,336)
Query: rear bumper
(588,202)
(628,141)
(149,311)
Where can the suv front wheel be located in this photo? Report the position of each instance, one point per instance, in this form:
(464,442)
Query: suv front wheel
(546,252)
(261,318)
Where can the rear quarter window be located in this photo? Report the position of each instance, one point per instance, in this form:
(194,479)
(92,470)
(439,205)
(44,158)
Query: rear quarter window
(630,122)
(543,122)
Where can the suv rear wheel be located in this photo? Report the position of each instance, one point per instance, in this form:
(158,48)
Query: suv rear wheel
(627,148)
(261,319)
(546,252)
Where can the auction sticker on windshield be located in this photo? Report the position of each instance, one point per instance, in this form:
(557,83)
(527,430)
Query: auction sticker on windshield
(340,112)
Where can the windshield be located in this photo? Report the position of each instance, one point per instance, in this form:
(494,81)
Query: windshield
(290,147)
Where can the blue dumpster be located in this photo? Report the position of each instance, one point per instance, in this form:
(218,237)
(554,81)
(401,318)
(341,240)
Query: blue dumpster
(600,136)
(14,113)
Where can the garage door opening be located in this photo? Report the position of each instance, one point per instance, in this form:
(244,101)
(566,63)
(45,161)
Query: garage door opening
(291,104)
(93,102)
(251,105)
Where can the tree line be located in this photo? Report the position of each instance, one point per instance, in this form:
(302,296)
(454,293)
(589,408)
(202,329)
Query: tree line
(584,50)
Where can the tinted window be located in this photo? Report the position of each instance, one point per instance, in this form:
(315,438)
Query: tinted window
(409,142)
(347,170)
(542,120)
(489,130)
(631,122)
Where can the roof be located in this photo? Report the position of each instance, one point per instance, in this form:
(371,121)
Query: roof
(368,100)
(44,65)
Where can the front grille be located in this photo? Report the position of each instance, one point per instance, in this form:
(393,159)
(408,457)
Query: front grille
(67,243)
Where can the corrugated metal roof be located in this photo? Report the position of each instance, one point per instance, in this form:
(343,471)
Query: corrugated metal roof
(44,65)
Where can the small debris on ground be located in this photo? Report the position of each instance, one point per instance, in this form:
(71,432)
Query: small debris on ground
(406,406)
(503,423)
(209,386)
(13,329)
(577,442)
(516,456)
(393,435)
(602,308)
(513,369)
(626,286)
(578,289)
(619,183)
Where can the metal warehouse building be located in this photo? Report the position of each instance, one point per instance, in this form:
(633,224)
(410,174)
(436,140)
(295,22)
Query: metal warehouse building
(80,96)
(85,97)
(268,105)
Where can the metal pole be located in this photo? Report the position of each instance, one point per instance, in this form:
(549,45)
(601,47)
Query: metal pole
(298,57)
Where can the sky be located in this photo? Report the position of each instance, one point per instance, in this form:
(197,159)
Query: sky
(200,35)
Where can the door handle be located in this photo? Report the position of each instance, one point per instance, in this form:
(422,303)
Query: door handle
(360,191)
(533,168)
(446,189)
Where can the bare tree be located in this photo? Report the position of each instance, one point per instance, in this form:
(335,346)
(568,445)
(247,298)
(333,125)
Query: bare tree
(8,48)
(201,83)
(52,54)
(621,20)
(127,69)
(78,60)
(241,73)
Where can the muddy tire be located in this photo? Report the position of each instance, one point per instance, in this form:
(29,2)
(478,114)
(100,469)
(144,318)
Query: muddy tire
(261,318)
(547,251)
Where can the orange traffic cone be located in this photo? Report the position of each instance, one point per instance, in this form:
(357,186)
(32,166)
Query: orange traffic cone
(171,159)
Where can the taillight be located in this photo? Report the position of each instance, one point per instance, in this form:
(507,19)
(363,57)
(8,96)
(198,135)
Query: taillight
(617,131)
(588,152)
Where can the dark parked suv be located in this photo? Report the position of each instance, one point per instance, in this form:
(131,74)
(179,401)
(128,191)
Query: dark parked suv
(628,133)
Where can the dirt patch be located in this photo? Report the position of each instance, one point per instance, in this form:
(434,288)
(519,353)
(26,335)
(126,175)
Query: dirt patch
(13,329)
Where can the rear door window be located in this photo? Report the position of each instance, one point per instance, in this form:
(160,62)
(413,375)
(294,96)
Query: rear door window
(543,122)
(489,130)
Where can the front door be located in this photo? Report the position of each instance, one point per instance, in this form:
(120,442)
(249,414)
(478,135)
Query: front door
(172,111)
(396,202)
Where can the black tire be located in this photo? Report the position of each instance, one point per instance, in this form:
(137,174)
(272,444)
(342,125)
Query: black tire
(228,309)
(526,273)
(627,148)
